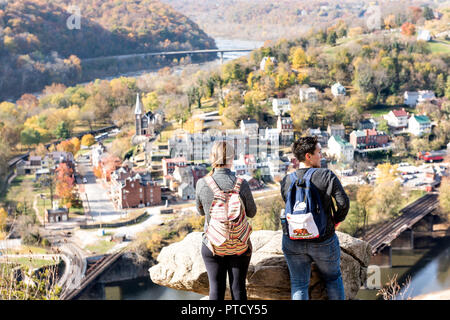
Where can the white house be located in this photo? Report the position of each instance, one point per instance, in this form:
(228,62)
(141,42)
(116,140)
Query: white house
(424,35)
(308,94)
(277,168)
(262,65)
(184,175)
(240,167)
(338,89)
(411,98)
(272,135)
(186,192)
(249,126)
(340,148)
(398,119)
(336,130)
(286,129)
(425,95)
(418,125)
(281,106)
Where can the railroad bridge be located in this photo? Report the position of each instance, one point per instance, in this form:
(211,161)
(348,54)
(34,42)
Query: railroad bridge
(399,233)
(93,272)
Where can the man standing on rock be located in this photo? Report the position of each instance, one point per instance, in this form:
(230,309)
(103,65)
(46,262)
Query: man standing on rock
(313,238)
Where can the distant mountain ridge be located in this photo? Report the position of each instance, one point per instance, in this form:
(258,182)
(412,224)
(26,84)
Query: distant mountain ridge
(38,48)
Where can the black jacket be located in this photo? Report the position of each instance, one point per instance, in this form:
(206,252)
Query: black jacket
(328,185)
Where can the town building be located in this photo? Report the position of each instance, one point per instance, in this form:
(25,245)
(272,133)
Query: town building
(367,124)
(336,130)
(281,106)
(186,192)
(285,128)
(322,136)
(277,168)
(368,139)
(308,94)
(253,183)
(424,35)
(56,215)
(338,89)
(184,175)
(262,65)
(130,189)
(249,126)
(169,165)
(341,149)
(97,152)
(412,98)
(397,119)
(418,125)
(144,122)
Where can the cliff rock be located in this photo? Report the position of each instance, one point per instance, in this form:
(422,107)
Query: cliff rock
(180,266)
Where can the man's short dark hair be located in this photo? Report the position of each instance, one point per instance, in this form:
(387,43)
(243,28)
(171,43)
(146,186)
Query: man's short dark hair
(303,146)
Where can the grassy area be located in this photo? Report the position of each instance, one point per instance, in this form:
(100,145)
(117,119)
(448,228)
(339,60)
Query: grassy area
(100,247)
(380,111)
(33,262)
(165,136)
(439,47)
(22,190)
(24,249)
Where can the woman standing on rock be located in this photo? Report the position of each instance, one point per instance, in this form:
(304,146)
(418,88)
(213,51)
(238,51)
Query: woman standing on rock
(226,201)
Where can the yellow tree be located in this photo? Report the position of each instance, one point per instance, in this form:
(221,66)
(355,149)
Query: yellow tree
(298,58)
(364,198)
(87,140)
(387,193)
(76,144)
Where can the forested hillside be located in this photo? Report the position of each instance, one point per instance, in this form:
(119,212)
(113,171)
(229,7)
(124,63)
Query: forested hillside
(271,20)
(38,48)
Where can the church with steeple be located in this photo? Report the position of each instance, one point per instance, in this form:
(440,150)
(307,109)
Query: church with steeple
(145,122)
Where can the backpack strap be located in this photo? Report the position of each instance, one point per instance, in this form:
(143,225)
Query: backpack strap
(293,177)
(308,174)
(214,187)
(237,186)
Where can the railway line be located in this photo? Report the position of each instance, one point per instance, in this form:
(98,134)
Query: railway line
(382,236)
(92,273)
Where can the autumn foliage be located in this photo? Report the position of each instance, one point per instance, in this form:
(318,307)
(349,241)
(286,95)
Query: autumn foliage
(408,29)
(65,183)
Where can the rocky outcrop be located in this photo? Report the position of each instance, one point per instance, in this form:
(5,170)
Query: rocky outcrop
(180,266)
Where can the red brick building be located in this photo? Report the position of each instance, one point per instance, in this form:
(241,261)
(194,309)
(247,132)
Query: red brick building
(131,189)
(368,139)
(169,165)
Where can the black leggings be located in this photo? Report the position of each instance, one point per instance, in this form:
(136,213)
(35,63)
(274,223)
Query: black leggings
(218,267)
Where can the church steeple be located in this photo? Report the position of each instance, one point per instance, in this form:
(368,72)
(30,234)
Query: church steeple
(138,116)
(138,109)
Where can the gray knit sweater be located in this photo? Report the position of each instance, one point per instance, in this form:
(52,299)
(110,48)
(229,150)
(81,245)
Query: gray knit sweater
(226,180)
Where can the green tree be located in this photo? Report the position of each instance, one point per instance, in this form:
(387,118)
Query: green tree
(62,130)
(30,136)
(428,13)
(331,38)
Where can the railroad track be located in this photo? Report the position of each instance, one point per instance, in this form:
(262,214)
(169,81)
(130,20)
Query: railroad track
(383,235)
(92,273)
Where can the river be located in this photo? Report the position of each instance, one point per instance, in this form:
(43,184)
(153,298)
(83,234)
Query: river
(222,44)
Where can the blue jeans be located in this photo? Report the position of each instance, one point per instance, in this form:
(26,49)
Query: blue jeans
(326,255)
